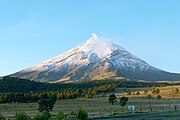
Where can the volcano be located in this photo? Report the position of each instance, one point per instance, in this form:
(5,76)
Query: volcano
(95,60)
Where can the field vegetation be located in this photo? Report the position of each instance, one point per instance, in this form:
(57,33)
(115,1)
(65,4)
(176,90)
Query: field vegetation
(151,100)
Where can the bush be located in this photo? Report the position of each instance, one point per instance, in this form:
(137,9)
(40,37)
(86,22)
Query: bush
(2,117)
(22,116)
(43,116)
(81,115)
(61,116)
(115,112)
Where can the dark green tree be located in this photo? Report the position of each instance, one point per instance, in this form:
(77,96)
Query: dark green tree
(112,98)
(123,102)
(47,104)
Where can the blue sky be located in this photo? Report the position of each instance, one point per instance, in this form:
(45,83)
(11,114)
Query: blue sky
(32,31)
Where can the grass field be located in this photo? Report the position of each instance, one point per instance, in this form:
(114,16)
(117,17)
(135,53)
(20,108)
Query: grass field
(99,107)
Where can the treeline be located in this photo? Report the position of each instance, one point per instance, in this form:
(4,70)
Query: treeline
(65,94)
(21,90)
(13,84)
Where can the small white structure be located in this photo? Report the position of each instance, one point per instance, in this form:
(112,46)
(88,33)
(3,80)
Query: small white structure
(131,108)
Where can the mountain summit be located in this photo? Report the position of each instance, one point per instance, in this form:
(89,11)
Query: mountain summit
(95,60)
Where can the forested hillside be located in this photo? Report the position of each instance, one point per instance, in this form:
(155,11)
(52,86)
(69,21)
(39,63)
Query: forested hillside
(22,90)
(14,84)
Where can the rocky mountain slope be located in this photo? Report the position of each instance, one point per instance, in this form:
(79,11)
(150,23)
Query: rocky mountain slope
(95,60)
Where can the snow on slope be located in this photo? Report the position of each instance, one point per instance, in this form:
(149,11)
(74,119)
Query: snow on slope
(94,50)
(93,59)
(98,46)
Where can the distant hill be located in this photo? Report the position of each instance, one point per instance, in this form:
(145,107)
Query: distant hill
(95,60)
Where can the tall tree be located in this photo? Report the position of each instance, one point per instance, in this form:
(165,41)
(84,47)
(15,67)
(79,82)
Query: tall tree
(112,98)
(47,104)
(149,98)
(123,102)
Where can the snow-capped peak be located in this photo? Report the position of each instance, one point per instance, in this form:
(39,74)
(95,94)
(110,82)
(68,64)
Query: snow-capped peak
(99,46)
(96,59)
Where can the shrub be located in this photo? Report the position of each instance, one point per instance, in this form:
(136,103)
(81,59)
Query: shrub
(81,115)
(2,117)
(61,116)
(43,116)
(22,116)
(115,112)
